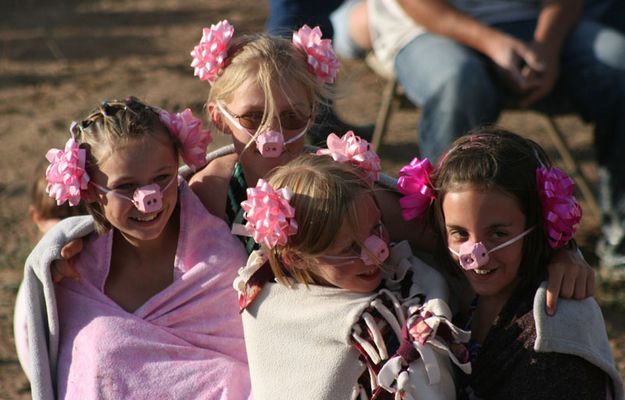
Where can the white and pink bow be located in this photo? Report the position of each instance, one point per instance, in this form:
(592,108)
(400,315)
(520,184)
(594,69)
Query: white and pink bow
(209,56)
(188,130)
(352,149)
(270,217)
(320,55)
(66,174)
(211,53)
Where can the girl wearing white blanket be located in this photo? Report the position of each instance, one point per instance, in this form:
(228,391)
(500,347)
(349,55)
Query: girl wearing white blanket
(331,312)
(152,314)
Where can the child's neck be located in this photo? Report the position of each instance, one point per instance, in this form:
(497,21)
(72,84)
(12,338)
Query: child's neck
(484,316)
(139,270)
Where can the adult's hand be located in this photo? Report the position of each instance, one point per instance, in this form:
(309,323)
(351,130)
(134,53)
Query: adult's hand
(516,62)
(540,82)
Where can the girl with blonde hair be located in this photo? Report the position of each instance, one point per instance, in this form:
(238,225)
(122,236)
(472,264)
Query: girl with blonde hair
(331,309)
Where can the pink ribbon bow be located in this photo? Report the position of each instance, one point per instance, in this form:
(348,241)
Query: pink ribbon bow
(66,173)
(351,148)
(209,56)
(193,139)
(319,53)
(561,211)
(270,217)
(414,184)
(418,328)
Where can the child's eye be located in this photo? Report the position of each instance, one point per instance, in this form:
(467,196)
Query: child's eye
(251,120)
(500,235)
(458,235)
(353,249)
(125,188)
(162,179)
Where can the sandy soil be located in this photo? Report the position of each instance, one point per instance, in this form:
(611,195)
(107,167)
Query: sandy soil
(58,61)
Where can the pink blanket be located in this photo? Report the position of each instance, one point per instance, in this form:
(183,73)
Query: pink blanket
(186,342)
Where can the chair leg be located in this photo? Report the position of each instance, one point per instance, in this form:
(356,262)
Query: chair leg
(381,122)
(556,136)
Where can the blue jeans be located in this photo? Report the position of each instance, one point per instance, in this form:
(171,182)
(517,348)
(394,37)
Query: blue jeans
(286,16)
(456,89)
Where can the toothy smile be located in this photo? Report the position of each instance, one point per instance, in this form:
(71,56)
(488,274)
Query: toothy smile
(145,217)
(481,271)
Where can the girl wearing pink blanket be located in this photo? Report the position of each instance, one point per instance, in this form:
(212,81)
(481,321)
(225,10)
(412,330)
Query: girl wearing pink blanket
(153,314)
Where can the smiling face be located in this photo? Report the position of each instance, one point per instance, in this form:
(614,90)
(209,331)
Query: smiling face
(348,270)
(491,217)
(133,164)
(248,102)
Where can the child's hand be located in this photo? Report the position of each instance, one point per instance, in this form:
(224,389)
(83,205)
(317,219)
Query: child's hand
(570,276)
(64,268)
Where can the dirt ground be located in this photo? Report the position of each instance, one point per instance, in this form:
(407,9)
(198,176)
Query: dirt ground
(59,59)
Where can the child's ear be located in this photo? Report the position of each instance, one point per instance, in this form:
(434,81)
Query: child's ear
(89,195)
(35,215)
(217,118)
(292,258)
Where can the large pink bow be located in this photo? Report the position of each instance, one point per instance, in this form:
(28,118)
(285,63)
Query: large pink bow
(66,173)
(319,53)
(209,56)
(270,217)
(561,211)
(351,148)
(193,139)
(414,183)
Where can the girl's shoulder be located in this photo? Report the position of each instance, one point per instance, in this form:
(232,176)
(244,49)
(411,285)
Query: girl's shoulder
(404,268)
(211,184)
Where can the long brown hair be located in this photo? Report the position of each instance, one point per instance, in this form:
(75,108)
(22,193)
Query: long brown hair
(495,159)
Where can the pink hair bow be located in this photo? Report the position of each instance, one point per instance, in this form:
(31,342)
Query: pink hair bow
(270,217)
(561,211)
(414,183)
(66,174)
(351,148)
(209,56)
(319,53)
(188,130)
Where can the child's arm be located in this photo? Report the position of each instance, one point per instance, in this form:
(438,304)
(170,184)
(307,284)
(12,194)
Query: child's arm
(64,267)
(211,183)
(570,276)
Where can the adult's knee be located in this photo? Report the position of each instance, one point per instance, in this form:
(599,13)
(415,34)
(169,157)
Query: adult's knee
(459,83)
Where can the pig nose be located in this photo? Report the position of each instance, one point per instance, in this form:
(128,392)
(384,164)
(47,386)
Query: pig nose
(148,199)
(473,255)
(377,247)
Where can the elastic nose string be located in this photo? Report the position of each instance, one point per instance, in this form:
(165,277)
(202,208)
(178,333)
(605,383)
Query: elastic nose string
(270,143)
(147,198)
(473,255)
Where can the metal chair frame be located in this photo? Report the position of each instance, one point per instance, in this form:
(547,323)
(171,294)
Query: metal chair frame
(392,92)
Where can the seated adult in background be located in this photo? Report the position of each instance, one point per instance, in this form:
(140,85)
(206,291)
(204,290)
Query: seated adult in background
(462,61)
(609,12)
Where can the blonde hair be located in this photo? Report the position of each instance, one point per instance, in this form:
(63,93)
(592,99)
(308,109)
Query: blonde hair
(269,60)
(324,196)
(112,123)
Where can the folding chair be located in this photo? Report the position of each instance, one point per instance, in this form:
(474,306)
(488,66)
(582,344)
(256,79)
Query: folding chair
(392,92)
